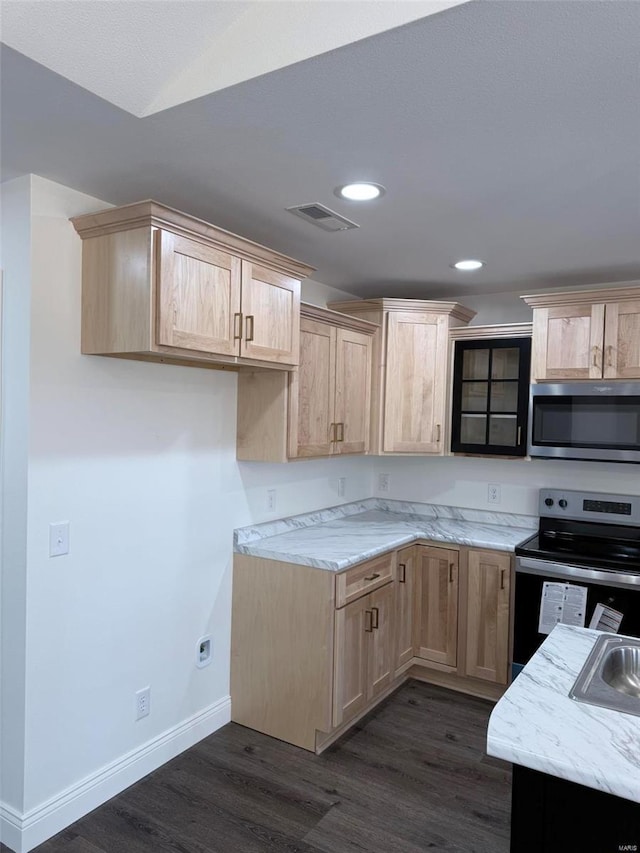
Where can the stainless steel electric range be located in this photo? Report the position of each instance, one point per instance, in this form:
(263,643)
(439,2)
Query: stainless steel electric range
(582,567)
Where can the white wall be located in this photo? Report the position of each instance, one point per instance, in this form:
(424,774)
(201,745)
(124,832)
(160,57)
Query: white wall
(15,263)
(463,482)
(319,294)
(140,459)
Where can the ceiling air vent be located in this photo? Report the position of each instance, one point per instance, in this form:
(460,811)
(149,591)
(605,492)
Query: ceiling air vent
(318,214)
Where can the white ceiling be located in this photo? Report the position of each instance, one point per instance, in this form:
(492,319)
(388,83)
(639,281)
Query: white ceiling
(149,55)
(505,131)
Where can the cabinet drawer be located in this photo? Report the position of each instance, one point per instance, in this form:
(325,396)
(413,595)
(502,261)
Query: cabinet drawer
(362,579)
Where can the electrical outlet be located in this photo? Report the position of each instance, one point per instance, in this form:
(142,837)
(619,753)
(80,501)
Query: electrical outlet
(342,486)
(493,493)
(383,482)
(143,703)
(203,652)
(271,499)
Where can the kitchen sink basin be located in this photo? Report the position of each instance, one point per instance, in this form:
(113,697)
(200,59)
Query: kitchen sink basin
(610,676)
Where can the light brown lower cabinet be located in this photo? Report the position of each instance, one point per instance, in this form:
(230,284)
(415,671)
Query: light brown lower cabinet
(363,652)
(436,602)
(487,615)
(313,650)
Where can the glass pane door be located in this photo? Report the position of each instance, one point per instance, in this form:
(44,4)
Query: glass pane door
(490,396)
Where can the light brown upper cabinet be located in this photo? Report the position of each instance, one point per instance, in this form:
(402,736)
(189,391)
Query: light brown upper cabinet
(158,284)
(321,409)
(411,375)
(591,334)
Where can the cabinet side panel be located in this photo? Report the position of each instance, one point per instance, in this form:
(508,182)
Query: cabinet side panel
(117,306)
(282,649)
(262,416)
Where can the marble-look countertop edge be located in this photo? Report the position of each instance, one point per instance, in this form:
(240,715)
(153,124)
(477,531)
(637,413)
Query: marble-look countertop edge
(614,785)
(300,556)
(330,565)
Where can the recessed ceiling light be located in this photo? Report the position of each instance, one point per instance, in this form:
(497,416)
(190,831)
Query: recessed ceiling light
(360,191)
(468,265)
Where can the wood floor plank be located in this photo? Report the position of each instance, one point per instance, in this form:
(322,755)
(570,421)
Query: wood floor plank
(412,776)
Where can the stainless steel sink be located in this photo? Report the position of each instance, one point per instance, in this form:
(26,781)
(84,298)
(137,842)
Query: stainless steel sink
(610,676)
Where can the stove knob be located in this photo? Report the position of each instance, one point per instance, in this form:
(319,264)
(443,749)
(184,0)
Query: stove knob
(562,503)
(548,501)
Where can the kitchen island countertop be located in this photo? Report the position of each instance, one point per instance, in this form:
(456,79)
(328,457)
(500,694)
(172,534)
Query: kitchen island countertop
(536,724)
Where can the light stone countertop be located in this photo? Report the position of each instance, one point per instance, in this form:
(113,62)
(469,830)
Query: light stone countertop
(343,536)
(536,724)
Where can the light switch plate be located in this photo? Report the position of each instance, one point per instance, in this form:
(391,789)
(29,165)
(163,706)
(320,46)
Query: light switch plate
(59,539)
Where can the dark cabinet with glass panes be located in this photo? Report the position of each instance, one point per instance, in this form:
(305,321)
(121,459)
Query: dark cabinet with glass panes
(491,396)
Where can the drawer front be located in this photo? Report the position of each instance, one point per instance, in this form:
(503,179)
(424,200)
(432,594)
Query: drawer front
(361,579)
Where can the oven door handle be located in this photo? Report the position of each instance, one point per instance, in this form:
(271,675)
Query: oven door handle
(565,571)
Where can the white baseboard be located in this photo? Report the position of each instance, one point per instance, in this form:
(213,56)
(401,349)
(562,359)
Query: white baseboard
(22,833)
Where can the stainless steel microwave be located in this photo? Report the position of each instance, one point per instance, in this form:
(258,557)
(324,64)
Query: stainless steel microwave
(585,420)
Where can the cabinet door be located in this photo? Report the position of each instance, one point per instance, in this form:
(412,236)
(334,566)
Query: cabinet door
(313,391)
(353,627)
(405,587)
(491,396)
(353,391)
(415,379)
(567,342)
(487,613)
(622,340)
(380,664)
(271,315)
(198,296)
(436,615)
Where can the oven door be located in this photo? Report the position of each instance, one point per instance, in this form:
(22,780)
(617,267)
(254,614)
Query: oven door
(619,591)
(586,421)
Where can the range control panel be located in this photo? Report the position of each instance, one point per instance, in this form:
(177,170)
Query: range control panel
(590,506)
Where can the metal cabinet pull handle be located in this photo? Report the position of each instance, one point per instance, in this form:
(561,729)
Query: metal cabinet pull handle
(501,578)
(595,351)
(368,623)
(609,355)
(450,572)
(519,438)
(373,576)
(332,432)
(438,431)
(403,577)
(376,614)
(237,326)
(340,426)
(249,335)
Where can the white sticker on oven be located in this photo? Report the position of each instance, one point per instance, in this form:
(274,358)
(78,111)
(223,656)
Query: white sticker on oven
(606,619)
(561,602)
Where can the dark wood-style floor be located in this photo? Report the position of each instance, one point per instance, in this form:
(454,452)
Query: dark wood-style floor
(412,776)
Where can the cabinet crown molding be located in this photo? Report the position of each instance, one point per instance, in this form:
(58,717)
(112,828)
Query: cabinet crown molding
(578,297)
(152,214)
(335,318)
(503,330)
(430,306)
